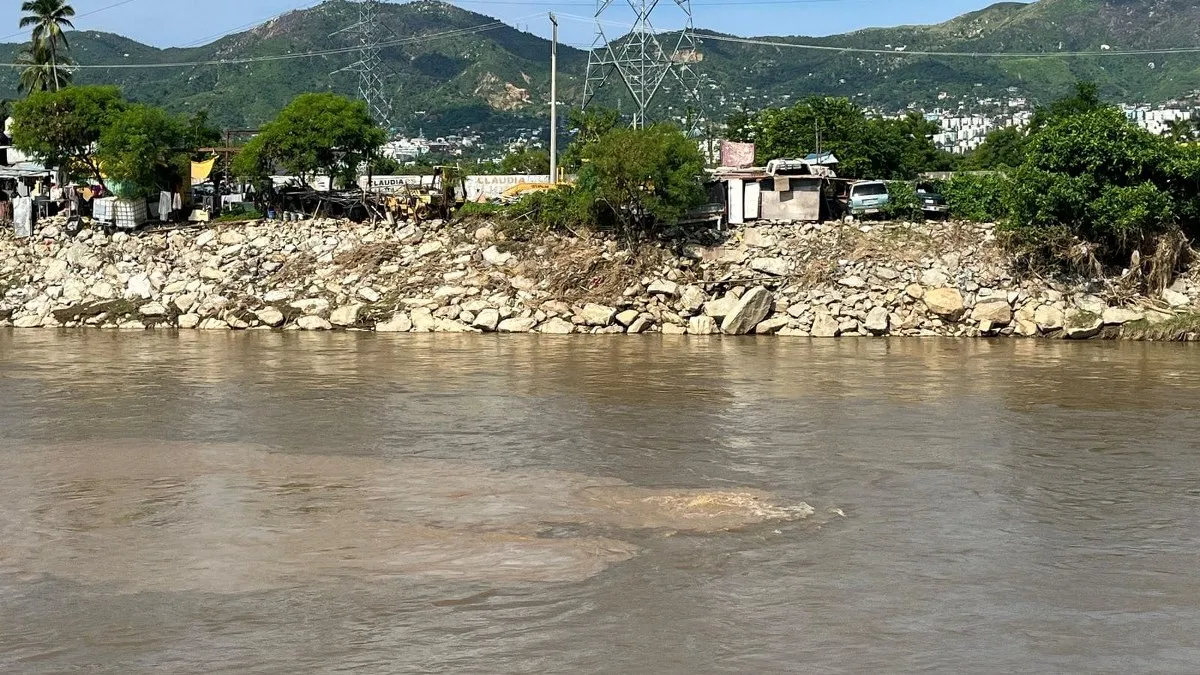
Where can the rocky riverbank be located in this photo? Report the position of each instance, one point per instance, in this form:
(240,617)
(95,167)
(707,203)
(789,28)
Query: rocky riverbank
(835,279)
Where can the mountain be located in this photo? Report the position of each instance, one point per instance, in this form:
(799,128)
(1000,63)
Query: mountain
(445,73)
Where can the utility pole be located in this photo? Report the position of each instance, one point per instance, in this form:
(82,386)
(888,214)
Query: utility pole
(554,101)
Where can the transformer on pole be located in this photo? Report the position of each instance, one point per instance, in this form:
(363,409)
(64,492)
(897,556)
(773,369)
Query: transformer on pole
(369,66)
(645,61)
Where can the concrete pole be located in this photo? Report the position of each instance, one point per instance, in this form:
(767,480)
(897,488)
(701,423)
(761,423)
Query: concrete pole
(554,102)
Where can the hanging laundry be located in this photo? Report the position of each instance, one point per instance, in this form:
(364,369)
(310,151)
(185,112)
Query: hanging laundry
(164,206)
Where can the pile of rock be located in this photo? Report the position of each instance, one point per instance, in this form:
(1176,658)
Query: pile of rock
(774,279)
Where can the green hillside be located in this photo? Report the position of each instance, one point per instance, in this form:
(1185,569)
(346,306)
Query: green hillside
(498,79)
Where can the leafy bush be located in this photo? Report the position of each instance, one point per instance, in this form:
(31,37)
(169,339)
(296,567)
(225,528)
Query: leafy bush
(980,198)
(903,202)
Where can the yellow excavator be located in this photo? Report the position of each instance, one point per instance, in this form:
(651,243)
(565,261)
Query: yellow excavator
(445,193)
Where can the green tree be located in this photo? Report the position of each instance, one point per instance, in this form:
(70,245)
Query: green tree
(527,161)
(146,150)
(1095,178)
(48,18)
(39,72)
(1003,148)
(641,180)
(316,134)
(588,126)
(1084,99)
(61,128)
(1181,131)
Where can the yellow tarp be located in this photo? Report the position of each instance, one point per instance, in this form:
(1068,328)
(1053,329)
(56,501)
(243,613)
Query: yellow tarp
(202,170)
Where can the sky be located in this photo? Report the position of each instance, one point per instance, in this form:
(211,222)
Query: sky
(177,23)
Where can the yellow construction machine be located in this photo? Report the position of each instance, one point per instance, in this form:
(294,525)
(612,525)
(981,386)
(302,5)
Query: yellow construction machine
(440,198)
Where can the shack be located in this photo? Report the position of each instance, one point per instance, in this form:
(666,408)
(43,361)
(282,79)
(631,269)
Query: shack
(793,190)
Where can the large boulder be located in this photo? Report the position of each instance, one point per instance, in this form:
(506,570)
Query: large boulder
(270,317)
(516,325)
(1117,316)
(702,325)
(753,307)
(345,316)
(825,326)
(557,327)
(947,303)
(487,320)
(399,323)
(308,323)
(597,315)
(719,309)
(1048,318)
(877,321)
(998,312)
(1083,325)
(776,267)
(692,299)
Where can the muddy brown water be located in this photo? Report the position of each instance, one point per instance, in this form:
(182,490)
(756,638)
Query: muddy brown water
(283,503)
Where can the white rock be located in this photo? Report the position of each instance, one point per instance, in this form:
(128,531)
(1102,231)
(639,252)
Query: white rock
(400,323)
(231,238)
(877,321)
(998,312)
(759,238)
(627,317)
(1092,304)
(189,321)
(935,278)
(212,274)
(139,286)
(751,309)
(185,302)
(313,323)
(429,248)
(776,267)
(422,320)
(494,257)
(674,329)
(270,317)
(1175,298)
(1048,318)
(639,326)
(213,324)
(345,316)
(557,326)
(277,295)
(369,294)
(825,326)
(516,325)
(1117,316)
(102,290)
(915,291)
(152,309)
(487,320)
(702,325)
(664,287)
(311,306)
(853,282)
(691,299)
(719,309)
(771,326)
(598,315)
(56,270)
(32,321)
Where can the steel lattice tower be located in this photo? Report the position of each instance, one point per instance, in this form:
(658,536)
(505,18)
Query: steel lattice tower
(369,66)
(641,60)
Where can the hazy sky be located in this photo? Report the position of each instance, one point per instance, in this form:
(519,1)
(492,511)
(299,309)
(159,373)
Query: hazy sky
(166,23)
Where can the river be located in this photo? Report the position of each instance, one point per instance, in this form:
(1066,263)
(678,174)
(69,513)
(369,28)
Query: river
(283,503)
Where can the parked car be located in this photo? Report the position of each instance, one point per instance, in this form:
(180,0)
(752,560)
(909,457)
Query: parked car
(868,197)
(932,202)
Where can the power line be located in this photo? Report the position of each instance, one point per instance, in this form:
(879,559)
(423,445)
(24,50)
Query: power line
(253,24)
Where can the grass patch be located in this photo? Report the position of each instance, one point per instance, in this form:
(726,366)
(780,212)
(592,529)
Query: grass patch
(241,217)
(1182,328)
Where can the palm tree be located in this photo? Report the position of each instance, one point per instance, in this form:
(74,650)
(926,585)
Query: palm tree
(48,18)
(40,73)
